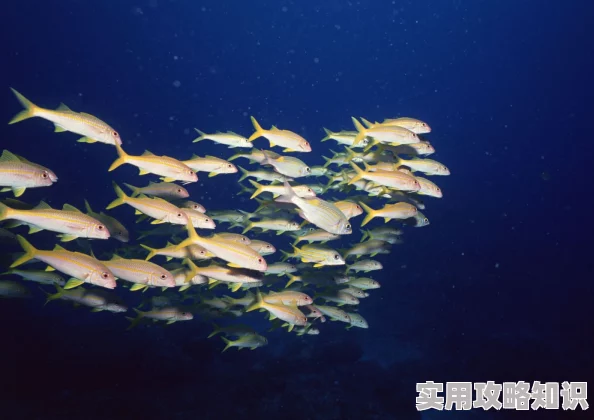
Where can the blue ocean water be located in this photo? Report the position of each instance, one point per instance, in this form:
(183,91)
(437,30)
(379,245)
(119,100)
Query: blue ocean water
(498,286)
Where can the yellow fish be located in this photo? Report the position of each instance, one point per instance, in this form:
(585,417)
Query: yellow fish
(18,174)
(169,168)
(290,314)
(389,211)
(210,164)
(91,128)
(116,229)
(229,138)
(142,273)
(70,222)
(292,142)
(165,190)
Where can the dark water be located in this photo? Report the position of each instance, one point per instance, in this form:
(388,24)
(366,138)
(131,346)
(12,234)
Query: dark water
(498,287)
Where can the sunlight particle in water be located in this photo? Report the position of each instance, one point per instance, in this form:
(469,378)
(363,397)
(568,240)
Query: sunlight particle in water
(176,83)
(316,60)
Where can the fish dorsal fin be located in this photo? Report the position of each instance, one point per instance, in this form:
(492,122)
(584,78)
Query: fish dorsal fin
(274,127)
(211,157)
(8,157)
(89,116)
(169,244)
(68,207)
(116,257)
(147,153)
(233,133)
(59,248)
(195,156)
(22,159)
(63,107)
(42,206)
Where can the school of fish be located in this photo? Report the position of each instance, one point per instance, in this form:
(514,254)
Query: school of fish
(205,266)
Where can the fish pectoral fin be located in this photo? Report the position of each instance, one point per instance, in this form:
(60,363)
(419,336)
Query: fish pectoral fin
(18,191)
(72,283)
(157,222)
(167,179)
(59,129)
(291,326)
(137,212)
(67,238)
(289,150)
(86,140)
(143,172)
(138,286)
(34,229)
(318,265)
(234,265)
(171,321)
(235,287)
(210,175)
(50,268)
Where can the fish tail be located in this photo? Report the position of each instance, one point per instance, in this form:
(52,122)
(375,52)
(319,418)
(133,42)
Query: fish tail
(135,321)
(57,295)
(328,134)
(118,201)
(235,156)
(88,207)
(29,111)
(249,227)
(259,130)
(257,304)
(361,132)
(30,252)
(371,213)
(228,343)
(365,235)
(135,190)
(122,158)
(215,331)
(328,161)
(245,173)
(292,279)
(4,211)
(152,252)
(202,136)
(259,189)
(358,176)
(367,123)
(192,236)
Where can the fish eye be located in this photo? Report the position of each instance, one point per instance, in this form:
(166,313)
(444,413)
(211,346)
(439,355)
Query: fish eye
(336,256)
(425,220)
(179,190)
(104,275)
(260,260)
(114,133)
(348,226)
(268,246)
(179,215)
(184,313)
(100,227)
(44,174)
(229,166)
(163,276)
(307,169)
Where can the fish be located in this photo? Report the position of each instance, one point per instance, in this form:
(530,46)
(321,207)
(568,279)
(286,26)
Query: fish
(234,237)
(192,205)
(251,341)
(81,267)
(349,208)
(170,314)
(335,314)
(412,124)
(281,268)
(357,320)
(14,289)
(365,266)
(288,297)
(339,297)
(115,228)
(213,165)
(422,148)
(168,168)
(426,166)
(318,212)
(262,247)
(90,127)
(428,188)
(262,175)
(344,137)
(255,156)
(157,208)
(193,252)
(418,220)
(318,235)
(229,138)
(302,191)
(199,220)
(165,190)
(143,274)
(288,166)
(292,142)
(70,222)
(371,247)
(278,225)
(38,276)
(363,283)
(393,135)
(355,291)
(98,299)
(17,174)
(237,255)
(290,314)
(232,330)
(389,211)
(317,254)
(392,179)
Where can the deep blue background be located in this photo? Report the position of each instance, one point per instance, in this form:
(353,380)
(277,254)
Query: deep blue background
(498,287)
